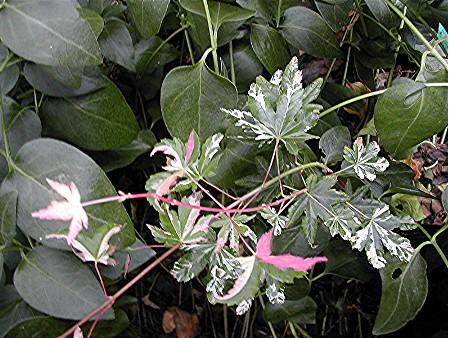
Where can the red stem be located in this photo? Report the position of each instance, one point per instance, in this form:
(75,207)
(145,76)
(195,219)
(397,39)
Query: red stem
(119,293)
(191,206)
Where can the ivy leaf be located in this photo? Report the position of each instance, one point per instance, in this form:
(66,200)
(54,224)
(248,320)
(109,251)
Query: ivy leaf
(61,295)
(316,203)
(220,12)
(307,31)
(408,113)
(302,311)
(364,159)
(101,120)
(280,109)
(199,93)
(402,296)
(148,15)
(269,46)
(332,143)
(376,233)
(62,38)
(116,43)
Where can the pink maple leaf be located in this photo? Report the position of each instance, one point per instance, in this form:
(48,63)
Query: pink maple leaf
(285,261)
(68,210)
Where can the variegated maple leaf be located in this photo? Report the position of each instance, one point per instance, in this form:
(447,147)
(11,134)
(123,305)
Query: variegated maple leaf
(375,232)
(94,246)
(248,281)
(68,210)
(364,159)
(280,109)
(190,159)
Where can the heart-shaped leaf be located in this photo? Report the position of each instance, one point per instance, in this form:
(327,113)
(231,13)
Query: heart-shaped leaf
(13,309)
(116,43)
(8,203)
(402,295)
(408,113)
(48,158)
(270,47)
(57,283)
(20,126)
(302,311)
(148,15)
(101,120)
(63,81)
(306,30)
(62,38)
(336,15)
(220,12)
(191,98)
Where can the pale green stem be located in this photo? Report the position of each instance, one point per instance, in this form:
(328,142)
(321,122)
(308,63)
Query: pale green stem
(280,2)
(349,101)
(397,48)
(233,74)
(225,320)
(292,328)
(212,36)
(170,37)
(365,96)
(418,34)
(7,152)
(272,330)
(188,42)
(303,331)
(432,241)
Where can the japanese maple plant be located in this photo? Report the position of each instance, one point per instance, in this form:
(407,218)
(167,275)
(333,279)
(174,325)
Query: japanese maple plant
(267,200)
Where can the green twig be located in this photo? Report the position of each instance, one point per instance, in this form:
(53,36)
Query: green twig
(212,36)
(418,34)
(170,37)
(397,49)
(349,101)
(280,2)
(188,42)
(272,330)
(432,241)
(225,320)
(233,74)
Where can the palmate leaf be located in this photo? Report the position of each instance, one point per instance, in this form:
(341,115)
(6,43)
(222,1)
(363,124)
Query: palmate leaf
(280,109)
(200,160)
(376,233)
(364,160)
(230,230)
(184,226)
(317,203)
(193,262)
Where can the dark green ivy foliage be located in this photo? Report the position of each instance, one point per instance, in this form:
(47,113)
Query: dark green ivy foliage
(88,88)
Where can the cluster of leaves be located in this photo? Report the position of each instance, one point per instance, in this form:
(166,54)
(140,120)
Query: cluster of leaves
(87,87)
